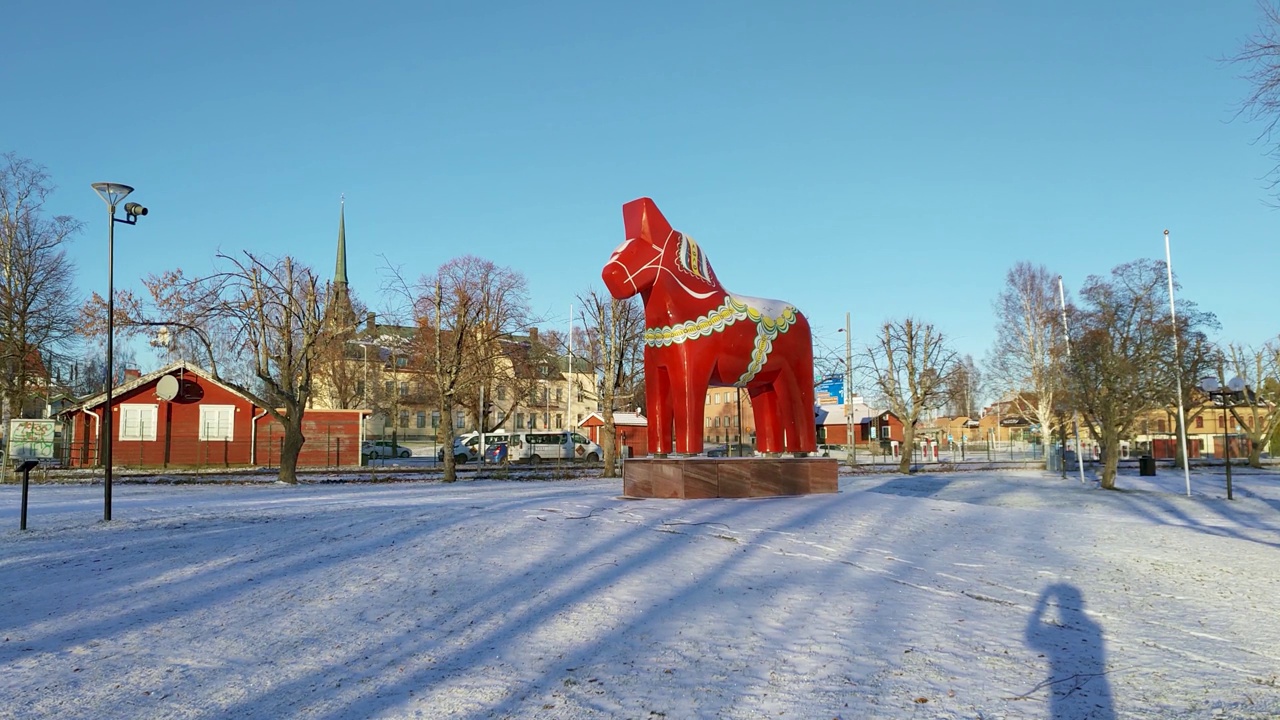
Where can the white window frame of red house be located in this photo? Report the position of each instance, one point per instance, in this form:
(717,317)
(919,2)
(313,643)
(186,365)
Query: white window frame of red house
(206,410)
(144,421)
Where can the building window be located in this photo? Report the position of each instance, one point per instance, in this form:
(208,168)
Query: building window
(559,395)
(502,394)
(404,389)
(404,418)
(460,419)
(519,421)
(559,421)
(533,421)
(389,387)
(422,419)
(215,422)
(138,421)
(402,362)
(435,420)
(1199,421)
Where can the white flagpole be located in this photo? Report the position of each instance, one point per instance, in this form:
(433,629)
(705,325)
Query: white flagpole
(1177,364)
(1066,336)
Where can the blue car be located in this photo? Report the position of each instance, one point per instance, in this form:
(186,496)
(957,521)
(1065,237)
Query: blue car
(496,453)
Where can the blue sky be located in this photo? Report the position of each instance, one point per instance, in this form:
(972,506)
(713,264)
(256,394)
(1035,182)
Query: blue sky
(886,159)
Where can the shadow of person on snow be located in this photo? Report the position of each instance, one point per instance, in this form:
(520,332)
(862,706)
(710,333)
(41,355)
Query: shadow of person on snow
(1077,679)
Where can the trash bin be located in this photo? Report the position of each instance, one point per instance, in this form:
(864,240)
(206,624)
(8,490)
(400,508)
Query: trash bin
(1146,465)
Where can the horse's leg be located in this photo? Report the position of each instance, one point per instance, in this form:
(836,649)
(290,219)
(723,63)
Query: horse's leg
(764,406)
(796,413)
(689,400)
(657,392)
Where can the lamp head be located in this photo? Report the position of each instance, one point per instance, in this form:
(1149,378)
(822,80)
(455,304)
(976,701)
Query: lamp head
(133,210)
(1235,385)
(111,193)
(1210,384)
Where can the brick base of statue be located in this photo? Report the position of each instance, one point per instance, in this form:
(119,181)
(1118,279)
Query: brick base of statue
(689,478)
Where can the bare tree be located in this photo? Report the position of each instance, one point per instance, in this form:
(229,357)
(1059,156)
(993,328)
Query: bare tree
(615,328)
(38,308)
(911,366)
(341,372)
(269,310)
(1258,411)
(466,315)
(964,391)
(1026,355)
(1197,357)
(1121,365)
(1261,59)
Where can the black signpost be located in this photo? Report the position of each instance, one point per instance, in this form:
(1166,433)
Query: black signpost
(25,469)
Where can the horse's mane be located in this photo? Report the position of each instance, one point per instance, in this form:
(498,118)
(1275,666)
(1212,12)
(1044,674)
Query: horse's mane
(691,260)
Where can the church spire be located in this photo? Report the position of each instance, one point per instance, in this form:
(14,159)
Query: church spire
(340,271)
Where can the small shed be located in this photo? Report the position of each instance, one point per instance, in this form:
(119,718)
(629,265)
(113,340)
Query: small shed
(632,432)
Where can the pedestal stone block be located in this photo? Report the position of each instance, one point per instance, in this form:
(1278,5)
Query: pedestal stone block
(690,478)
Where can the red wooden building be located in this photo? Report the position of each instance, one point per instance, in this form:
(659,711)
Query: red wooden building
(181,417)
(632,431)
(885,427)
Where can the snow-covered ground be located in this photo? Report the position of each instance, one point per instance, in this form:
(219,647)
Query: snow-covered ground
(963,595)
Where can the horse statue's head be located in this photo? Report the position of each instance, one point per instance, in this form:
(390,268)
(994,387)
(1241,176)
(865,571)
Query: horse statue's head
(652,248)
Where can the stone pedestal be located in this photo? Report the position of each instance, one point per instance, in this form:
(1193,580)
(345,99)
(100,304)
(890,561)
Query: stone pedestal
(702,477)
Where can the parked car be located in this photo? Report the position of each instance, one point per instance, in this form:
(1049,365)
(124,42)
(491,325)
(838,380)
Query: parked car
(383,449)
(732,450)
(839,452)
(495,453)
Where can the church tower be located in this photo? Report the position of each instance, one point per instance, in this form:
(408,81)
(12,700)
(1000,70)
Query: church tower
(341,313)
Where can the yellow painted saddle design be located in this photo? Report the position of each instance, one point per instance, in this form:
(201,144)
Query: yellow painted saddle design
(771,317)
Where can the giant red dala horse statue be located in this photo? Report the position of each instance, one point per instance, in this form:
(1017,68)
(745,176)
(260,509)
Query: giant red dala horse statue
(698,335)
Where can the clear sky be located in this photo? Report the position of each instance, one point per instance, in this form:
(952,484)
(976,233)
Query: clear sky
(879,158)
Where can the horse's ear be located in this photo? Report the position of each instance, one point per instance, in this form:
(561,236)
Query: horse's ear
(642,219)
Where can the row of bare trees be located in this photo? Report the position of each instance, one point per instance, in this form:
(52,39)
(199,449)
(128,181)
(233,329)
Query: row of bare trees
(1124,360)
(463,322)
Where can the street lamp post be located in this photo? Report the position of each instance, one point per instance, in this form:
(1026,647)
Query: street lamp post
(1224,395)
(112,194)
(848,389)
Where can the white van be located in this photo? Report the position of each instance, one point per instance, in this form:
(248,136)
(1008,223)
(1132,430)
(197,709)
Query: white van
(465,447)
(536,446)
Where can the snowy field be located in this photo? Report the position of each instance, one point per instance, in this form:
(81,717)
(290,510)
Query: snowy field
(965,595)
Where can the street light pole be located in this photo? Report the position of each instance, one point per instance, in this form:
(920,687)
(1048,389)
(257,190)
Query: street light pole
(112,194)
(1177,364)
(848,387)
(1234,387)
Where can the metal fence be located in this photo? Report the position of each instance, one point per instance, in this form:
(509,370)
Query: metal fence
(982,451)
